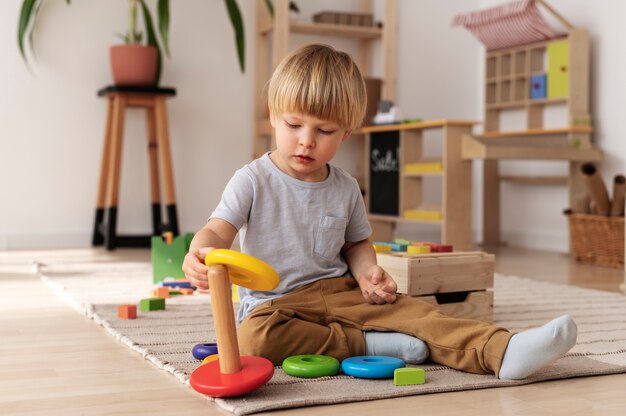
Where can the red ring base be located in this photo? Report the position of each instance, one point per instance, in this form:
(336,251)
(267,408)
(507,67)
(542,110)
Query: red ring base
(208,379)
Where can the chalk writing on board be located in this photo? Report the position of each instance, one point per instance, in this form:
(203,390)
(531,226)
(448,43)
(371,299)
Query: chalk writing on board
(384,162)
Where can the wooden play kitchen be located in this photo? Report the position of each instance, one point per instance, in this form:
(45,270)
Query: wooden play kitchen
(458,283)
(530,68)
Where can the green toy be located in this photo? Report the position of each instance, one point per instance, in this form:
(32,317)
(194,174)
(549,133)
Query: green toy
(167,258)
(151,304)
(409,376)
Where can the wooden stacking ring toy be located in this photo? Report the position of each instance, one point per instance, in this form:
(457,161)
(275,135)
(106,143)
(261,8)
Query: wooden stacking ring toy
(201,351)
(244,270)
(209,358)
(310,366)
(371,366)
(232,375)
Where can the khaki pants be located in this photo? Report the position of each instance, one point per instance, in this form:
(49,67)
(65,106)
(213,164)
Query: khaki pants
(329,316)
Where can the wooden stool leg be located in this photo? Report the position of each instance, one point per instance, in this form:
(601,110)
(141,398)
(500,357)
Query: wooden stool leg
(98,236)
(154,171)
(166,161)
(119,110)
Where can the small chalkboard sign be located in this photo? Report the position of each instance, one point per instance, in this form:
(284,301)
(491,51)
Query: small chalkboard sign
(384,165)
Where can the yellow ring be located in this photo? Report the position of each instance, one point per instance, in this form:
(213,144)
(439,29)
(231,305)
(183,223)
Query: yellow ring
(244,270)
(210,358)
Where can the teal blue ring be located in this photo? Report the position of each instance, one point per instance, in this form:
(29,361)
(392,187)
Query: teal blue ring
(371,366)
(310,366)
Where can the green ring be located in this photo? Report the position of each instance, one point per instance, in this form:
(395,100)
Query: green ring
(310,366)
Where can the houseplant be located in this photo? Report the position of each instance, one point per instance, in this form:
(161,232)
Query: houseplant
(154,47)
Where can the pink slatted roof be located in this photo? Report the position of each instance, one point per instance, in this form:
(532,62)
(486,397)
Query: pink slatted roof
(511,24)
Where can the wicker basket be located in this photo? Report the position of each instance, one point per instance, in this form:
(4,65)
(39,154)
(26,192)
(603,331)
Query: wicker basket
(598,240)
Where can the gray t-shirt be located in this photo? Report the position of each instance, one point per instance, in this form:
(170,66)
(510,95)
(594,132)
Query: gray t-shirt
(296,227)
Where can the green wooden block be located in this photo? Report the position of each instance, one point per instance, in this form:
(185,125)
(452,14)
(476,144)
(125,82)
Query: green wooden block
(167,259)
(408,376)
(151,304)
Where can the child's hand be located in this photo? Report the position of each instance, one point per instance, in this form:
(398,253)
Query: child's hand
(194,267)
(377,286)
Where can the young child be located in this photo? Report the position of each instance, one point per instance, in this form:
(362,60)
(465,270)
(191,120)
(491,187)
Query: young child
(307,219)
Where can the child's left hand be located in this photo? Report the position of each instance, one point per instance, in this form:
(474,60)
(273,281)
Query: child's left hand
(377,286)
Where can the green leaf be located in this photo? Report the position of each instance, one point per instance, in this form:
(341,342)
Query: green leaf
(31,36)
(152,39)
(270,7)
(235,18)
(163,8)
(26,14)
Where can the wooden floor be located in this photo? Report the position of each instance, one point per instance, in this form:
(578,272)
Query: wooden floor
(54,361)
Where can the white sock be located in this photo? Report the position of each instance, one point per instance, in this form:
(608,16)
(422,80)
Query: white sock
(531,350)
(396,344)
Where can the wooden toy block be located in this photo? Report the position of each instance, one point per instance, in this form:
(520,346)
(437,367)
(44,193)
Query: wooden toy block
(185,291)
(127,311)
(394,246)
(427,274)
(469,305)
(161,292)
(402,241)
(435,247)
(152,304)
(382,248)
(178,283)
(418,249)
(409,376)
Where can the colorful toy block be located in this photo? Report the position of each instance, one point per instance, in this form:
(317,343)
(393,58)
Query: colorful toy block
(409,376)
(394,246)
(161,292)
(176,283)
(152,304)
(381,248)
(127,311)
(418,249)
(438,248)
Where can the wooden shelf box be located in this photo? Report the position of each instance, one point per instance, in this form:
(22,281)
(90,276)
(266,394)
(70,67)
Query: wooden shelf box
(459,282)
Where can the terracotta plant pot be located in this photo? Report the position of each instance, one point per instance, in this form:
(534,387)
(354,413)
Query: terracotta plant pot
(134,64)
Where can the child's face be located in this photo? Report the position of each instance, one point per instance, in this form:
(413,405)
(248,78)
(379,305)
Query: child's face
(305,144)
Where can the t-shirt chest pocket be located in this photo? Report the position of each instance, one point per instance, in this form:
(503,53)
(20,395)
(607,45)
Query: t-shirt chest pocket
(330,236)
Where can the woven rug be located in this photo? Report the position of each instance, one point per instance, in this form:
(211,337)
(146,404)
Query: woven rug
(165,338)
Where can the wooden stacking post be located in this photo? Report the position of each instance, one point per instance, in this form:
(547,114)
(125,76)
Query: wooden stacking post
(224,318)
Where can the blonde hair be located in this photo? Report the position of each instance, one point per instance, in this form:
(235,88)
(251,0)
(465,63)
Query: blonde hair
(319,81)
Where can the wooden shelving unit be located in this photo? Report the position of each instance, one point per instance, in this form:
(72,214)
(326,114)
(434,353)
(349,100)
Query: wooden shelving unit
(273,44)
(452,212)
(509,74)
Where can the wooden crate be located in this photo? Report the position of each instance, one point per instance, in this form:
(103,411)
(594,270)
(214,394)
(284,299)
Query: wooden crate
(427,274)
(469,305)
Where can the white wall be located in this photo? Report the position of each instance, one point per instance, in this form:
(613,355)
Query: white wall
(51,122)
